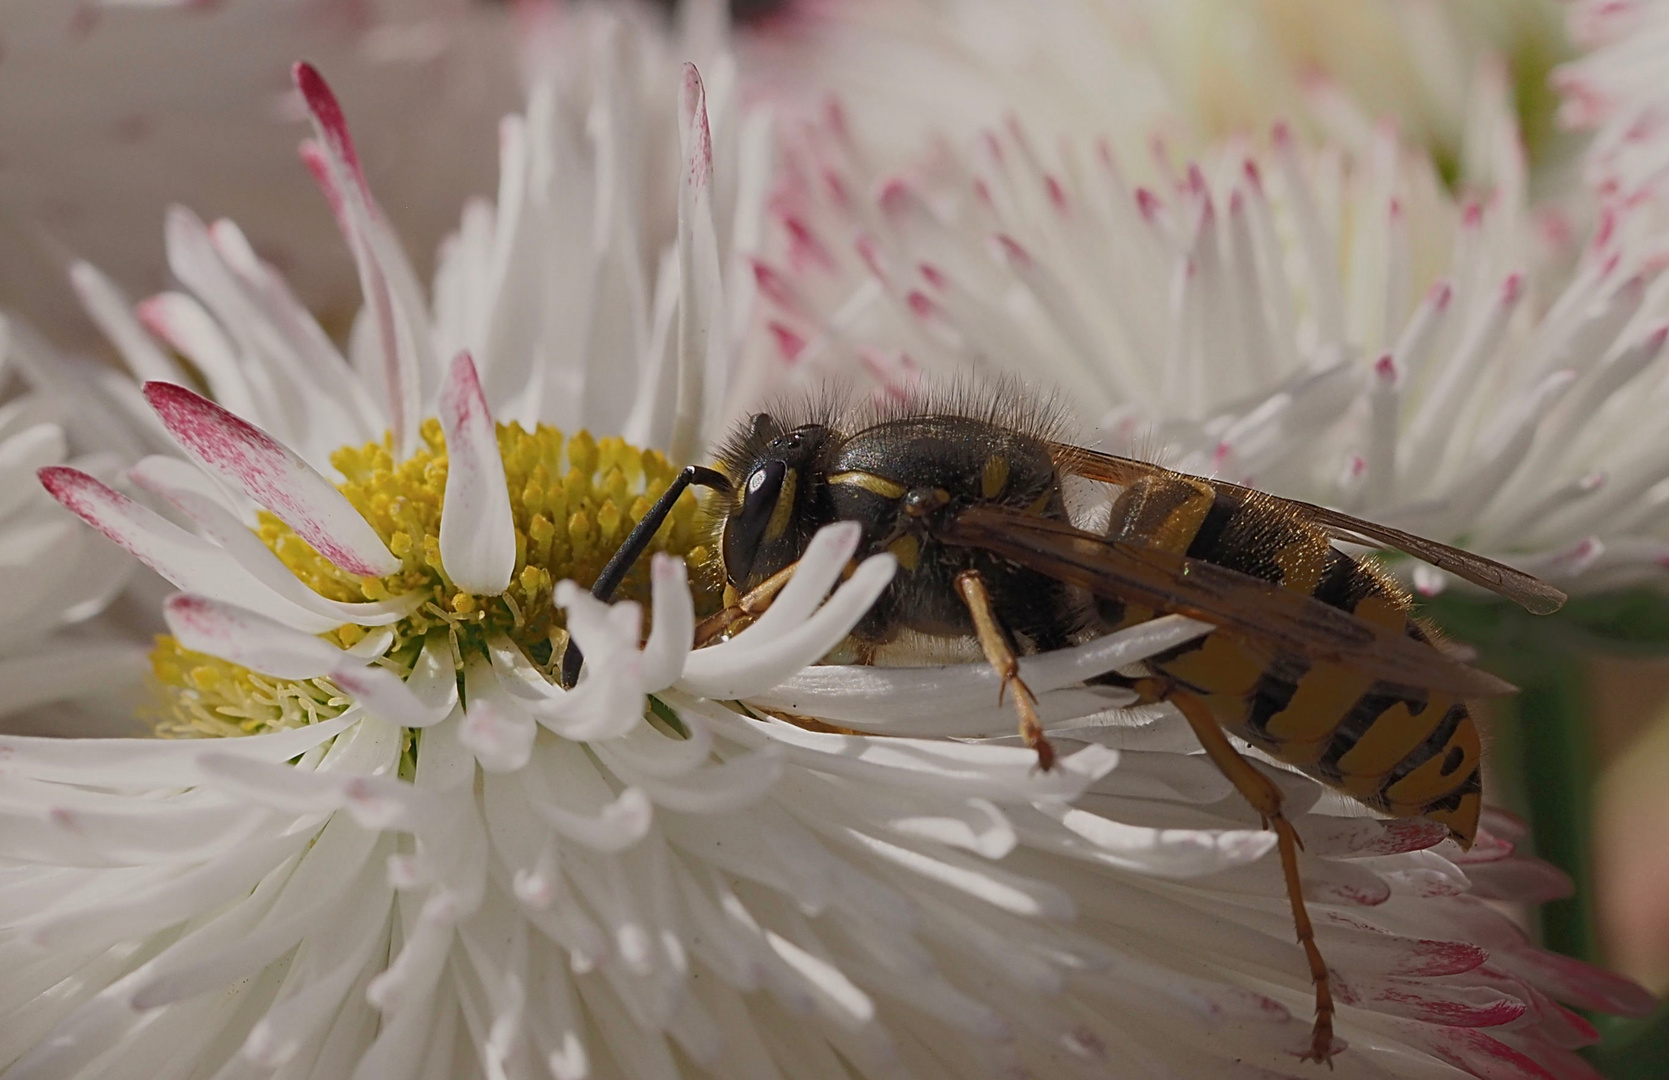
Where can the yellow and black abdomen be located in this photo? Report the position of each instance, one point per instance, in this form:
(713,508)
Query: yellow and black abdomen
(1400,749)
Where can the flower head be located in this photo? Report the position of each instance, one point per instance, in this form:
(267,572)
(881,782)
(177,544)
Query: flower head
(1324,323)
(429,857)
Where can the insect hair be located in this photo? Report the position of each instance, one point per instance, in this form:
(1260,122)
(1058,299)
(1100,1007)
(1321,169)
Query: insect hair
(1004,401)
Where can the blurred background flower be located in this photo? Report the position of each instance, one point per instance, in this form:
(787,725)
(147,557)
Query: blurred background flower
(1189,72)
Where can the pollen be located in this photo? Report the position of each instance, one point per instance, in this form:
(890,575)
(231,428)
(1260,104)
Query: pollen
(573,499)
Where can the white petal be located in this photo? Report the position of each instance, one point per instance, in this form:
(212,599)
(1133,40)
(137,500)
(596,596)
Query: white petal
(401,333)
(881,698)
(109,309)
(701,304)
(477,533)
(674,624)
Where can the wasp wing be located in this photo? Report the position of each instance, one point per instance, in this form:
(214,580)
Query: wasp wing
(1530,593)
(1239,604)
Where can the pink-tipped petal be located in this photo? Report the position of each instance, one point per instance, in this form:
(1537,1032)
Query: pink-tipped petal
(274,476)
(187,561)
(477,533)
(184,485)
(327,116)
(392,296)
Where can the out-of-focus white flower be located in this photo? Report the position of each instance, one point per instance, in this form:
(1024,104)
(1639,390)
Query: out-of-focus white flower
(56,576)
(1617,89)
(1323,323)
(1189,72)
(114,110)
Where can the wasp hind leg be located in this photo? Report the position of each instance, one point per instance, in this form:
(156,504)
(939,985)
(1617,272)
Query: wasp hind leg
(999,652)
(1265,798)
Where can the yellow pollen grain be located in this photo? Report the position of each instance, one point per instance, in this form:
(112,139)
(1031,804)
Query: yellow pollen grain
(572,499)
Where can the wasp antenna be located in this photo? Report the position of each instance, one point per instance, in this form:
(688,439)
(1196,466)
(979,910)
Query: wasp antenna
(637,542)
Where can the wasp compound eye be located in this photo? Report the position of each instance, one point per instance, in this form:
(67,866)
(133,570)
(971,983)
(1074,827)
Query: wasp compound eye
(748,528)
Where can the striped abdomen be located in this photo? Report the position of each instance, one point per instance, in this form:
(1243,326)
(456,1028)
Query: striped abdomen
(1399,749)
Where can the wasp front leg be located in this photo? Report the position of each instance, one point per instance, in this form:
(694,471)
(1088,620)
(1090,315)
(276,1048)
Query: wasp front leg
(994,642)
(1266,799)
(749,606)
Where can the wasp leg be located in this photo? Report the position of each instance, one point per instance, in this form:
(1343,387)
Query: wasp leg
(993,641)
(750,606)
(1265,798)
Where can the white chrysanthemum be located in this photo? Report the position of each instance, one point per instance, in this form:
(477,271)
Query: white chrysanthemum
(1190,71)
(115,108)
(1617,88)
(431,860)
(1326,324)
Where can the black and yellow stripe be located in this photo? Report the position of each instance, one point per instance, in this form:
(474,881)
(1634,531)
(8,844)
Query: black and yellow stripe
(1399,749)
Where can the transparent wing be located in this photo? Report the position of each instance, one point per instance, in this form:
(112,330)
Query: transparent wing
(1530,593)
(1239,604)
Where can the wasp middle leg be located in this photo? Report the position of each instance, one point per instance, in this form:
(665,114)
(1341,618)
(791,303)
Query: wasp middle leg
(1265,798)
(999,652)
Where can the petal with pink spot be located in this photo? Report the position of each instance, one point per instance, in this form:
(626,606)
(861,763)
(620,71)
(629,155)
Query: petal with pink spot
(274,476)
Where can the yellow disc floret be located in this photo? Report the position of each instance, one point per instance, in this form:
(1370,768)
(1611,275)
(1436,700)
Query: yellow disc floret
(573,500)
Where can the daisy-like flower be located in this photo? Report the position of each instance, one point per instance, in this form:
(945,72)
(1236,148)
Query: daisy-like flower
(427,858)
(1326,323)
(118,107)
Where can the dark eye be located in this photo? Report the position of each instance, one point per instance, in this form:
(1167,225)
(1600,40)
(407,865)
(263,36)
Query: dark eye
(745,530)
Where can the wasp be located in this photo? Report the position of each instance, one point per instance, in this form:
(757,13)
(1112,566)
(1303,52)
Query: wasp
(1316,657)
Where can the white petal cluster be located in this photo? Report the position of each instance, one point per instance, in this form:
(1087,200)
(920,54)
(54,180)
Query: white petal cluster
(1617,90)
(560,888)
(58,579)
(730,861)
(1323,322)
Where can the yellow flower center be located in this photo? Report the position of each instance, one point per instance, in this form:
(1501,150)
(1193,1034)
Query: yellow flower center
(573,501)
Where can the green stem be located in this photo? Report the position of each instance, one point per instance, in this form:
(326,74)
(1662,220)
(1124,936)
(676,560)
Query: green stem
(1633,1049)
(1555,752)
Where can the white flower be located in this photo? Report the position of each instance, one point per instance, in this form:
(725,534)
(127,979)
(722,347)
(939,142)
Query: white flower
(1189,72)
(57,578)
(431,860)
(1617,89)
(116,109)
(1326,324)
